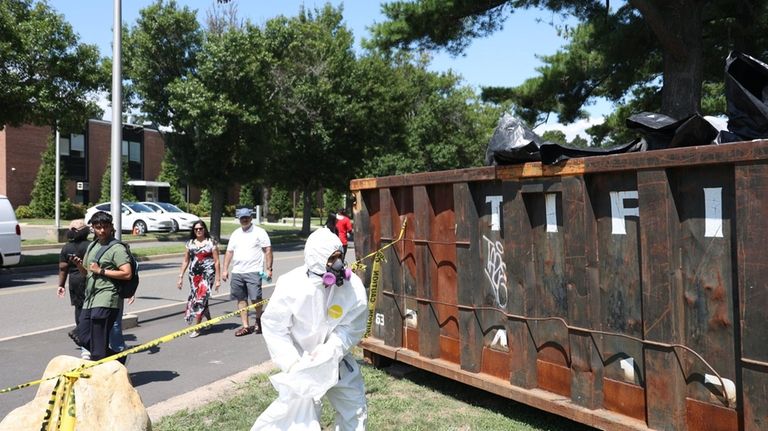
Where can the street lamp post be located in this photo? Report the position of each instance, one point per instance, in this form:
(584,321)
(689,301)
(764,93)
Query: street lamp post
(117,121)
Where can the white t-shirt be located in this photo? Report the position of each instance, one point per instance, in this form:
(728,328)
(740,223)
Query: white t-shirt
(247,246)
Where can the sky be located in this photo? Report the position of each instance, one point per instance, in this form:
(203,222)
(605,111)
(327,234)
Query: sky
(506,58)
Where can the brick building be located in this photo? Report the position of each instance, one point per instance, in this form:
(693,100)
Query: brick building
(84,158)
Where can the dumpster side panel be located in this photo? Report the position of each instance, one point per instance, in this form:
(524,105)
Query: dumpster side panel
(441,244)
(662,304)
(752,231)
(580,271)
(521,273)
(627,292)
(429,329)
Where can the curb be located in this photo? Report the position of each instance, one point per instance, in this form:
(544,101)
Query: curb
(205,394)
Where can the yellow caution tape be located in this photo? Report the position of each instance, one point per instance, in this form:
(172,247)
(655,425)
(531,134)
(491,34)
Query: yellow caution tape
(62,399)
(374,290)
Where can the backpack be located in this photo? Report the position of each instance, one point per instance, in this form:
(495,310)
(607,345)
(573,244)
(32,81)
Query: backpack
(125,288)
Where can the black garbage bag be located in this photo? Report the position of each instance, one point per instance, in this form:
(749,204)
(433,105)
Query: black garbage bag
(552,153)
(512,143)
(746,93)
(661,131)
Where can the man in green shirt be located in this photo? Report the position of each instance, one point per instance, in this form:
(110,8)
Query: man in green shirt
(102,301)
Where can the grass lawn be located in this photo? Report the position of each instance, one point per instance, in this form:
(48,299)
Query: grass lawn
(418,401)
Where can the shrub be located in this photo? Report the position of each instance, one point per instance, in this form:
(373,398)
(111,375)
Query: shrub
(23,211)
(229,210)
(74,211)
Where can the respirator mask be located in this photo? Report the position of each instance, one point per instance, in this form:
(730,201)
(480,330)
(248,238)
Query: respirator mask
(336,274)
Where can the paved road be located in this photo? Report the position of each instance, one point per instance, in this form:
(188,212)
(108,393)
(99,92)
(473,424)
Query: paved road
(34,323)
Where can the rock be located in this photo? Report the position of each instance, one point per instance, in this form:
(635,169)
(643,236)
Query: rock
(105,401)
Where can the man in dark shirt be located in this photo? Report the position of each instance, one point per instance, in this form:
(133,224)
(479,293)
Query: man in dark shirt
(77,244)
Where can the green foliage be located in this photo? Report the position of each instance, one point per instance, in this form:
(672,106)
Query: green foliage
(281,203)
(169,172)
(444,125)
(332,200)
(75,211)
(106,184)
(24,211)
(322,110)
(46,75)
(619,53)
(246,196)
(42,201)
(555,136)
(204,204)
(161,48)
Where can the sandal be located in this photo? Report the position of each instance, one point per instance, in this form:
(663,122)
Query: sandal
(245,330)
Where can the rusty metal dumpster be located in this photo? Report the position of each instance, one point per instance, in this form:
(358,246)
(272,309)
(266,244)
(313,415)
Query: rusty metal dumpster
(625,291)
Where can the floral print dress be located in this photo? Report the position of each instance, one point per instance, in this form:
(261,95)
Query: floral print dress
(201,278)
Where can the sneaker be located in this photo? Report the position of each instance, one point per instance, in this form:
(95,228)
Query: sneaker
(194,334)
(85,355)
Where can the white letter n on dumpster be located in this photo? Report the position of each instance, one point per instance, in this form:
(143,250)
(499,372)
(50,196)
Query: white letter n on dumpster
(496,270)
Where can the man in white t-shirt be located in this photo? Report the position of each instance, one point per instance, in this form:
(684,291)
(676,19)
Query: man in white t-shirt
(250,251)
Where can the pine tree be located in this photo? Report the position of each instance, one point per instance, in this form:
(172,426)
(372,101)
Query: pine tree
(43,196)
(169,173)
(246,196)
(106,184)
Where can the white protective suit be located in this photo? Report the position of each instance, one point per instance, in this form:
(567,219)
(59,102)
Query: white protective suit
(309,329)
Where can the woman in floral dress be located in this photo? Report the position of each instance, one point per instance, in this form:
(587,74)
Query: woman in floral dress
(202,258)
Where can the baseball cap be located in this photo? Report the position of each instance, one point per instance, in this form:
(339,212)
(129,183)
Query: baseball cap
(242,212)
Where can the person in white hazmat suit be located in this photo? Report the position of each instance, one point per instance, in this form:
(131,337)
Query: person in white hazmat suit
(317,313)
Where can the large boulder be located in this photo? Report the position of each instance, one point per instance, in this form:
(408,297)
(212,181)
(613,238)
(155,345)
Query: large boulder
(105,401)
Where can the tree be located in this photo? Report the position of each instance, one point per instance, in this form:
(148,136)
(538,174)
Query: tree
(445,125)
(169,173)
(214,95)
(160,48)
(322,110)
(672,51)
(43,196)
(46,76)
(106,184)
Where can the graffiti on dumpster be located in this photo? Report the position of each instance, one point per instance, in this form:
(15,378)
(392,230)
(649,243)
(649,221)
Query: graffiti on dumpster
(496,270)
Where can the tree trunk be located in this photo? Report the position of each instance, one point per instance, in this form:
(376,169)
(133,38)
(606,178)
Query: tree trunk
(677,25)
(217,209)
(306,219)
(681,94)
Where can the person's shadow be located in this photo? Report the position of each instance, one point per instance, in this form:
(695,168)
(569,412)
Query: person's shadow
(143,377)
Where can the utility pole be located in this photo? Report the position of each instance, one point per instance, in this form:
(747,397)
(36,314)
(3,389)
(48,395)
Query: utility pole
(117,122)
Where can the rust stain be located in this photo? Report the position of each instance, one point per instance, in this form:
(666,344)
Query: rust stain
(690,299)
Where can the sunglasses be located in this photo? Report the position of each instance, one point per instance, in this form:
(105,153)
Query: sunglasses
(200,228)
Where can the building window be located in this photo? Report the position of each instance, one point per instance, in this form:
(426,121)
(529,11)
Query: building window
(73,160)
(131,152)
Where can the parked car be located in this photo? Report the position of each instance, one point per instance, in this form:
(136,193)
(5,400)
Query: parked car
(181,219)
(10,234)
(135,217)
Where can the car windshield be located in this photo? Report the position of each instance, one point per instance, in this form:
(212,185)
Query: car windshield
(171,208)
(153,206)
(137,207)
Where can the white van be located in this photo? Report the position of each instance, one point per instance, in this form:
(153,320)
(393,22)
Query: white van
(10,234)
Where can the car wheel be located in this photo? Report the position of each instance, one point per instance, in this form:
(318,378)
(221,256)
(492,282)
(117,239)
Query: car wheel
(140,228)
(174,226)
